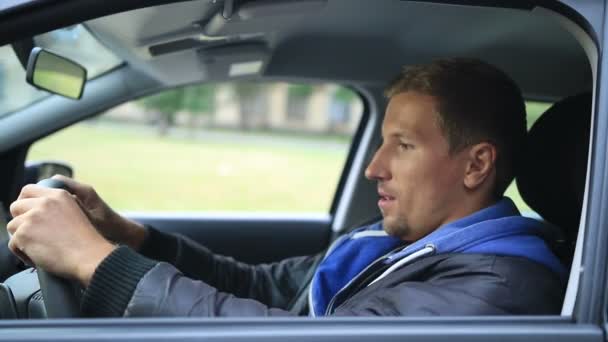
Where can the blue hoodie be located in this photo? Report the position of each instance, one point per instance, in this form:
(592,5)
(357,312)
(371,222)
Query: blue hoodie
(498,230)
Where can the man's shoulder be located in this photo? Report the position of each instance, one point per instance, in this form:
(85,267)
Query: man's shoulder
(472,270)
(515,284)
(463,284)
(503,265)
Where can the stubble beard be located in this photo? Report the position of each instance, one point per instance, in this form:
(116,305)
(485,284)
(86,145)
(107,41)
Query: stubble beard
(395,226)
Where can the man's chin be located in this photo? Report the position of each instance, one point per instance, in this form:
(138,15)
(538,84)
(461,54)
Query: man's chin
(393,227)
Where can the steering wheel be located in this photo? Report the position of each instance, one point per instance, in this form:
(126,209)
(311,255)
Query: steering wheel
(61,296)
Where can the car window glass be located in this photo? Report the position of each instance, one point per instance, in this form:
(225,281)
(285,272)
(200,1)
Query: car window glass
(15,93)
(534,111)
(266,147)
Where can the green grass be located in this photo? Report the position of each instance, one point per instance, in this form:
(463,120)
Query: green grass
(137,170)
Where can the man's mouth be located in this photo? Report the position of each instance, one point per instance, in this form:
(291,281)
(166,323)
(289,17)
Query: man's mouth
(385,199)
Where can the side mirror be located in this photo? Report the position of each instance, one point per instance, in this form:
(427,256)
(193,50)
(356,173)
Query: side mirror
(37,171)
(56,74)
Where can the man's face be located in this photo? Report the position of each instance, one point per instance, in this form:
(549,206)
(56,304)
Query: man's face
(420,184)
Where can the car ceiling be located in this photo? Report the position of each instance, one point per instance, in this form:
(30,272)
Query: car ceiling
(352,41)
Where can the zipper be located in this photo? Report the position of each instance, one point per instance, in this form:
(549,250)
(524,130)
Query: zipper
(333,300)
(331,248)
(427,250)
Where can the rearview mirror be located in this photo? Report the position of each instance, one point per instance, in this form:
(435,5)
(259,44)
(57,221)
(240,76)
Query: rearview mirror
(56,74)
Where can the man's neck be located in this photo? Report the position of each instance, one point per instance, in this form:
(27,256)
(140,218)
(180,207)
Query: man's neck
(470,206)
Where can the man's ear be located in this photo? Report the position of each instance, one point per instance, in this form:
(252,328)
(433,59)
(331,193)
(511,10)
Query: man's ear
(481,164)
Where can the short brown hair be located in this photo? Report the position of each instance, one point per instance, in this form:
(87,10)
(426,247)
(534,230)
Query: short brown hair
(476,102)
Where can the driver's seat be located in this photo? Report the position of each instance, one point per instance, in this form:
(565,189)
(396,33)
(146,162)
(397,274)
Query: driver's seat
(552,175)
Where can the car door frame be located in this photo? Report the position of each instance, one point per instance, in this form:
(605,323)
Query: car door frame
(585,324)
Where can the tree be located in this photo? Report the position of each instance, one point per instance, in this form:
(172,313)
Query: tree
(299,90)
(344,95)
(194,99)
(165,105)
(198,100)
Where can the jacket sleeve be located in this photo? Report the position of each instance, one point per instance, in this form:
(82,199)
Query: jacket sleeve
(274,284)
(128,284)
(164,292)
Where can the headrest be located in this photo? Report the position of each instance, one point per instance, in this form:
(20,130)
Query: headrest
(551,178)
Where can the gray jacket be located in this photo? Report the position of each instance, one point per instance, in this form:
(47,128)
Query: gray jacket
(177,277)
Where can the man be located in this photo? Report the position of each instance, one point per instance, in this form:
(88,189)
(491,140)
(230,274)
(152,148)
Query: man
(448,244)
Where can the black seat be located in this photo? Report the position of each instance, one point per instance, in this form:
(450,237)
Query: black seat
(552,175)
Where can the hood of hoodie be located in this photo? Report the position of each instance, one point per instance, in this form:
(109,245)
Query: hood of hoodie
(498,229)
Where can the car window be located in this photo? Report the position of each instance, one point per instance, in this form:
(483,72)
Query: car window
(534,110)
(15,93)
(264,147)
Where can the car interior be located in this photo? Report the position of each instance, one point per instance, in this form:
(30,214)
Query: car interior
(355,43)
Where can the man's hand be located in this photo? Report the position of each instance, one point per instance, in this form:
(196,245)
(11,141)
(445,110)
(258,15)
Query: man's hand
(50,231)
(109,223)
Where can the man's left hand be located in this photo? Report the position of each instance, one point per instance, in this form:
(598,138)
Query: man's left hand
(50,230)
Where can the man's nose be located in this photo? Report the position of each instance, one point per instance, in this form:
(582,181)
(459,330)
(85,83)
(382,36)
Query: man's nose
(376,169)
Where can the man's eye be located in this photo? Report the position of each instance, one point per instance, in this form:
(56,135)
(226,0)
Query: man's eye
(404,146)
